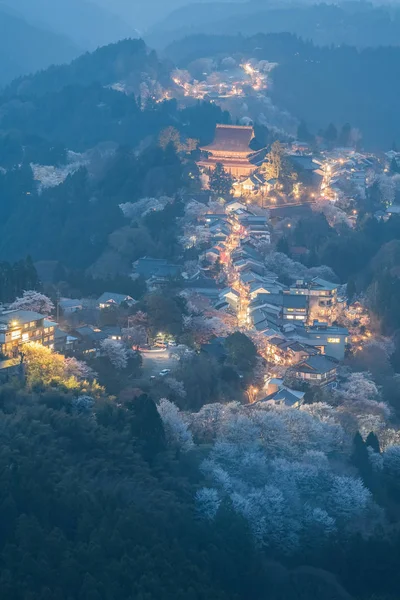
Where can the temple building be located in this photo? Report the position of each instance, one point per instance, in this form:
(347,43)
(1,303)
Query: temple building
(231,147)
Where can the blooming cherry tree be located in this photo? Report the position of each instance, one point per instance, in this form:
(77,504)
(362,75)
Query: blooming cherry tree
(116,352)
(176,430)
(35,301)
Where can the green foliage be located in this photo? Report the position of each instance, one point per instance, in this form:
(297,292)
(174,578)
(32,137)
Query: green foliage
(146,426)
(115,380)
(242,353)
(303,133)
(221,181)
(84,516)
(17,277)
(165,315)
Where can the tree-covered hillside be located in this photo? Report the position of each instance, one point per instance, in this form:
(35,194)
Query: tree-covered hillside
(72,149)
(318,84)
(126,60)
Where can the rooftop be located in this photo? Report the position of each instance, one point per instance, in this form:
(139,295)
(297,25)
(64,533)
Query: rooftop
(113,298)
(231,138)
(285,396)
(20,316)
(317,364)
(285,300)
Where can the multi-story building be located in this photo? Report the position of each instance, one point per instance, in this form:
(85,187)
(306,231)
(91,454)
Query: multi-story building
(331,341)
(18,327)
(322,298)
(231,147)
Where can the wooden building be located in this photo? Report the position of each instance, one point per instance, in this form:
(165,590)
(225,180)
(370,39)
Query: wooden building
(231,147)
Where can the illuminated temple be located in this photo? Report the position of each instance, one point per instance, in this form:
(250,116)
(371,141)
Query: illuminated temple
(231,147)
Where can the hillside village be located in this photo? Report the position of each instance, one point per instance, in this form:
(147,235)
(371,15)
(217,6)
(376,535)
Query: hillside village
(303,327)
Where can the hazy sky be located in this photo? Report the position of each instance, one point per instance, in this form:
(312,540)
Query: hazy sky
(144,13)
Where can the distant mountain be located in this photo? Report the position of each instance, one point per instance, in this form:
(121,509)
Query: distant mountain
(85,22)
(357,24)
(25,48)
(144,14)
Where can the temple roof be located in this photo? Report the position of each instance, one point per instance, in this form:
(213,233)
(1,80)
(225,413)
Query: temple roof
(231,138)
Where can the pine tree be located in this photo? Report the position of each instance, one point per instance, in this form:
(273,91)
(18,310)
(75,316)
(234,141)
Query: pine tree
(330,134)
(221,181)
(372,441)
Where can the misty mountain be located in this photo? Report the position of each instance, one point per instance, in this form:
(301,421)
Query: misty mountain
(85,22)
(25,48)
(359,24)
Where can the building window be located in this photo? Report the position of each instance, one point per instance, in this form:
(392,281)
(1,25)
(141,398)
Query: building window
(25,337)
(333,340)
(15,335)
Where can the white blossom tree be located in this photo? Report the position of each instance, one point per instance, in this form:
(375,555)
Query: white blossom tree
(273,466)
(176,430)
(116,352)
(35,301)
(141,208)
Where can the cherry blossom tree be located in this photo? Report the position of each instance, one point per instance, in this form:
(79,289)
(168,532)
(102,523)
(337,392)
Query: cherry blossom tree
(35,301)
(116,352)
(78,369)
(176,429)
(141,208)
(272,465)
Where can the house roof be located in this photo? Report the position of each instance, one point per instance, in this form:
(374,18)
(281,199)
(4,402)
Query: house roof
(285,300)
(70,302)
(285,396)
(202,283)
(59,334)
(324,284)
(149,267)
(317,364)
(22,316)
(305,163)
(231,138)
(48,323)
(86,331)
(113,298)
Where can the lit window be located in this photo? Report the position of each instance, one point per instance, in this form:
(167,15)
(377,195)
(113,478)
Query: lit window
(15,335)
(290,317)
(25,337)
(332,340)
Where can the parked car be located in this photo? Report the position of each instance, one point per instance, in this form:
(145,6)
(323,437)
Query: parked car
(165,372)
